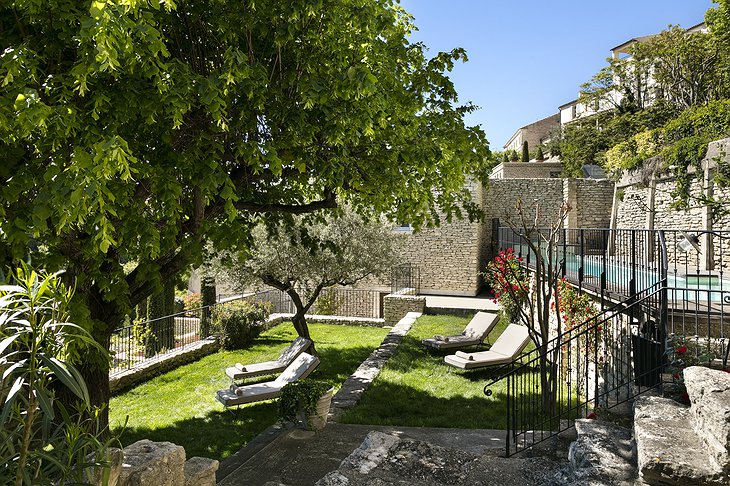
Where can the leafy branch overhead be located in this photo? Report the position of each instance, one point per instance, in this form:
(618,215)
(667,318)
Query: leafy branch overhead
(134,131)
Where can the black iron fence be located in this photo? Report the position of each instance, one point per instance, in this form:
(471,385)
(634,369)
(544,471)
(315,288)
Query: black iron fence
(655,288)
(604,362)
(135,344)
(405,278)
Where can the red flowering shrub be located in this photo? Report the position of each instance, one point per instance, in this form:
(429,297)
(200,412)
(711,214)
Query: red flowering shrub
(509,281)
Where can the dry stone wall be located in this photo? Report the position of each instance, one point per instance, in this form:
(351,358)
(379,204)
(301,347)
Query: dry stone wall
(591,201)
(449,257)
(395,307)
(645,202)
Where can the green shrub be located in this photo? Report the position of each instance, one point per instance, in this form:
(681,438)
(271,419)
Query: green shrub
(43,440)
(539,155)
(141,333)
(238,323)
(327,303)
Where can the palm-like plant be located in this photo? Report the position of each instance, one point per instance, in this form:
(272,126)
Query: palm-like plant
(40,441)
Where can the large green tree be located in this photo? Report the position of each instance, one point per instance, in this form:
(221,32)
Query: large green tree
(136,130)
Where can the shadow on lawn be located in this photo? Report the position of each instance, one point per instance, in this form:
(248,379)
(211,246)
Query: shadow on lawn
(220,433)
(401,405)
(216,435)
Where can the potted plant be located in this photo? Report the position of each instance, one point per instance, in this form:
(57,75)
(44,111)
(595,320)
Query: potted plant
(307,402)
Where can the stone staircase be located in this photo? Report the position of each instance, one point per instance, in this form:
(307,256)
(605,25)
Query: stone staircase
(672,444)
(686,445)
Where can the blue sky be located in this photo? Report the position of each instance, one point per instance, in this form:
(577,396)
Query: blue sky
(527,58)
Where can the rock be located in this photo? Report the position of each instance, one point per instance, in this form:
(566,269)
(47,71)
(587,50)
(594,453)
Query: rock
(200,471)
(334,478)
(149,463)
(709,394)
(95,476)
(386,460)
(603,452)
(668,450)
(371,453)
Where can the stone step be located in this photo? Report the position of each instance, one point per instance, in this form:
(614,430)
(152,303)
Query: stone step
(668,450)
(603,452)
(709,394)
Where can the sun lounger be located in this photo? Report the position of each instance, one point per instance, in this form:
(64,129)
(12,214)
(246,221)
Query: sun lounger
(241,372)
(474,333)
(300,368)
(505,349)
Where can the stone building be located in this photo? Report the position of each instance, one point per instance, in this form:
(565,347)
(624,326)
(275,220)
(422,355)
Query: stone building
(534,134)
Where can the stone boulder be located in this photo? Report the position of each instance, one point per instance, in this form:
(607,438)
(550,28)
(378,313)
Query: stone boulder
(709,394)
(668,450)
(149,463)
(200,471)
(603,452)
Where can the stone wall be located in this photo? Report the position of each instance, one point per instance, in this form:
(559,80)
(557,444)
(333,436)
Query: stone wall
(395,307)
(527,170)
(591,201)
(449,257)
(644,201)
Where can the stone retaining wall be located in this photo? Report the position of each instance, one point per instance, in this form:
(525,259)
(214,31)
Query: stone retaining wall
(644,201)
(395,307)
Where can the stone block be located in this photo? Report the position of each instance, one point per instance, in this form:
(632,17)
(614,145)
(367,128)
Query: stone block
(668,450)
(200,471)
(148,463)
(96,476)
(709,394)
(603,451)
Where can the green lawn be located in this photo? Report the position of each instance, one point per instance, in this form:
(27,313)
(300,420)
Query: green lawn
(180,407)
(416,387)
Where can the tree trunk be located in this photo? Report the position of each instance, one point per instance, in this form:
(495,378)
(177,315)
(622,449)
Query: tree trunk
(142,310)
(168,330)
(300,323)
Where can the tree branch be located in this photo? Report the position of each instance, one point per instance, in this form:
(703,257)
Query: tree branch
(328,202)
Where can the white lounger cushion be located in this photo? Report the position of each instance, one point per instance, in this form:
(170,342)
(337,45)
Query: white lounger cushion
(504,350)
(270,367)
(300,368)
(474,333)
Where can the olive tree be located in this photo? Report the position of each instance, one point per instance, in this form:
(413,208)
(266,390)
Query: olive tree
(313,254)
(137,130)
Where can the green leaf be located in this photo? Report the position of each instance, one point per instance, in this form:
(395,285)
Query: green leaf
(10,398)
(69,379)
(7,342)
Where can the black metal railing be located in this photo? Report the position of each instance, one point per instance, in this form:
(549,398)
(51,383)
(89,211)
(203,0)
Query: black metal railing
(405,278)
(133,345)
(348,302)
(604,362)
(653,287)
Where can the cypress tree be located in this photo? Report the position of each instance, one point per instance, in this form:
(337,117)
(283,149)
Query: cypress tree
(525,152)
